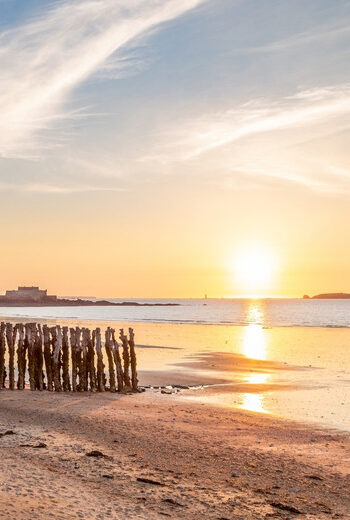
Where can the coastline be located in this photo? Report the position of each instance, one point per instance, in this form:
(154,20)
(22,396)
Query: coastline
(295,373)
(198,460)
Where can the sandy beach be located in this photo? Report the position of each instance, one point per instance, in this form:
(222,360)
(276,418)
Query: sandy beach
(163,457)
(218,450)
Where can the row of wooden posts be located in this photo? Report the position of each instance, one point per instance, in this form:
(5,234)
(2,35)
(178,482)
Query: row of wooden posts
(66,359)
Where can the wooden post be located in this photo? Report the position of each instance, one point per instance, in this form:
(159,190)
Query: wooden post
(20,357)
(29,344)
(134,380)
(85,382)
(56,335)
(91,359)
(112,387)
(14,338)
(48,357)
(126,358)
(80,385)
(65,360)
(2,354)
(100,365)
(38,356)
(73,347)
(9,337)
(117,361)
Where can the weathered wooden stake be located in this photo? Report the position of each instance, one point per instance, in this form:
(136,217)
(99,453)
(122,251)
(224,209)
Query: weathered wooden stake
(48,357)
(65,360)
(134,380)
(29,343)
(117,361)
(11,348)
(100,365)
(20,357)
(2,354)
(73,359)
(112,387)
(126,358)
(85,382)
(38,357)
(56,335)
(91,359)
(80,385)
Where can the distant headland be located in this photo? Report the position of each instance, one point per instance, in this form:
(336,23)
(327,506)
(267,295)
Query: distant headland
(328,296)
(35,297)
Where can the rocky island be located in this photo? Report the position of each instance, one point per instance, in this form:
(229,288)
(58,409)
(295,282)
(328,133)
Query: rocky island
(328,296)
(35,297)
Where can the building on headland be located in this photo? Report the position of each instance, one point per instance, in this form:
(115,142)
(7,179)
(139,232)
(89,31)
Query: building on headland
(35,297)
(29,294)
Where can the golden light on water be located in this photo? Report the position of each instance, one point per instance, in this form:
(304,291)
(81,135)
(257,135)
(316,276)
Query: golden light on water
(255,346)
(253,403)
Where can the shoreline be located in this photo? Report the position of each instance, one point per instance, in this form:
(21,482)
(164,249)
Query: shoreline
(289,372)
(164,457)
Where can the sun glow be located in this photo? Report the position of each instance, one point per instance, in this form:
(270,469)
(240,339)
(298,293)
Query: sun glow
(254,268)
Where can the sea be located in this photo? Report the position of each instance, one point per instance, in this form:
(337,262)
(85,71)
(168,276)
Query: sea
(288,358)
(266,312)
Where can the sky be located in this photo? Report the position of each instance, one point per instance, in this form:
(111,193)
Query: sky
(149,148)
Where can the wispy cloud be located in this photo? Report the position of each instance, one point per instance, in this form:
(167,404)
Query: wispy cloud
(280,140)
(322,33)
(43,61)
(54,189)
(303,110)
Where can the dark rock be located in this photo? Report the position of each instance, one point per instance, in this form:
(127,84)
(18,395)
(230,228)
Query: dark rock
(314,477)
(95,453)
(8,432)
(286,507)
(150,481)
(39,445)
(172,501)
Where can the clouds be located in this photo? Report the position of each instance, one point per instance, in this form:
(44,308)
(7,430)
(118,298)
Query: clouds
(311,108)
(244,129)
(288,139)
(316,35)
(53,189)
(44,60)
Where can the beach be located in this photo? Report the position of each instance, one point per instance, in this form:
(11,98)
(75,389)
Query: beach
(235,422)
(297,373)
(163,458)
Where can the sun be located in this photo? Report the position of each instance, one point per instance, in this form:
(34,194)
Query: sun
(254,267)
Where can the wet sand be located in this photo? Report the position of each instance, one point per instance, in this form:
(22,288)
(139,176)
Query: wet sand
(291,372)
(164,457)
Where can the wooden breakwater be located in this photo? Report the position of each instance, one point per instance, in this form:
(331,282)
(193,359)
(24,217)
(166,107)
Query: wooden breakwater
(66,359)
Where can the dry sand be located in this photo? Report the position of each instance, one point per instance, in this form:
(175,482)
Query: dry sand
(202,462)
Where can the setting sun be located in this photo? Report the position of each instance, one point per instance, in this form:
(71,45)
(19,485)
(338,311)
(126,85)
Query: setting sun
(254,267)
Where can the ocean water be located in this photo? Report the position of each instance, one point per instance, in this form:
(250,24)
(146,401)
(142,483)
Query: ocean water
(265,312)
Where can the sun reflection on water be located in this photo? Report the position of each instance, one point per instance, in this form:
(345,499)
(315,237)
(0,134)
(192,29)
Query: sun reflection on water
(254,342)
(254,346)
